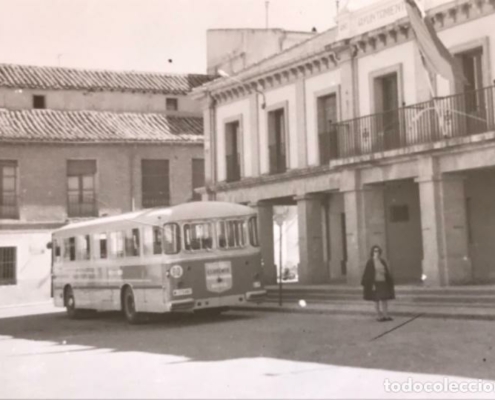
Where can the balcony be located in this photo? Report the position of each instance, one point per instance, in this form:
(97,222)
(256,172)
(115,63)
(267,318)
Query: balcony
(81,208)
(453,116)
(156,199)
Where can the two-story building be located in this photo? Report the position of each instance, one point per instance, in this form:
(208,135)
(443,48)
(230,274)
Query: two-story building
(346,127)
(81,144)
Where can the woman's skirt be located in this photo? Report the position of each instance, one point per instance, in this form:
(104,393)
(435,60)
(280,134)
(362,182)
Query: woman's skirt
(383,291)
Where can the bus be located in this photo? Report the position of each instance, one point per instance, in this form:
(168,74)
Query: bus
(199,256)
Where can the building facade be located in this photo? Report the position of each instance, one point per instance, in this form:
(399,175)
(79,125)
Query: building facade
(78,144)
(347,127)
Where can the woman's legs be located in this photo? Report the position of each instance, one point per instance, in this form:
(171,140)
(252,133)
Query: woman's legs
(378,311)
(385,310)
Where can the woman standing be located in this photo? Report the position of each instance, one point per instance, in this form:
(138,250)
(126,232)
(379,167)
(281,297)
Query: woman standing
(378,285)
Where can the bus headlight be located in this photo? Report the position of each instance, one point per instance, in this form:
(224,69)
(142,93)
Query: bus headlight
(176,271)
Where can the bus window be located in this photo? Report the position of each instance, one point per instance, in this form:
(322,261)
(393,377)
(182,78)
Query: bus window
(83,247)
(117,240)
(102,238)
(198,236)
(171,238)
(56,251)
(132,243)
(70,249)
(231,234)
(253,232)
(157,240)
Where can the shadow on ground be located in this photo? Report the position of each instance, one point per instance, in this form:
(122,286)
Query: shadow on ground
(461,348)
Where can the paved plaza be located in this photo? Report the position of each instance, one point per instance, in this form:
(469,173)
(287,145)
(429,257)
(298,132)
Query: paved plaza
(242,355)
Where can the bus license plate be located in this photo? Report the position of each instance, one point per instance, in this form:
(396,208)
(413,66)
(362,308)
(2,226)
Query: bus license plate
(182,292)
(218,276)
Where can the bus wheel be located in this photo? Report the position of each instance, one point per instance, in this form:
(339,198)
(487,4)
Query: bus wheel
(70,303)
(129,307)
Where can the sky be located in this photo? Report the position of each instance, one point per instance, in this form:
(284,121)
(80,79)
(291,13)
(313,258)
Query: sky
(141,35)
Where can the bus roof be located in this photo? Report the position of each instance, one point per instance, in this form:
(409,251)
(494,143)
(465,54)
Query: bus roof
(156,216)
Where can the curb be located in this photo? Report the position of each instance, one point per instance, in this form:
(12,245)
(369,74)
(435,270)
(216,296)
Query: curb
(35,304)
(315,311)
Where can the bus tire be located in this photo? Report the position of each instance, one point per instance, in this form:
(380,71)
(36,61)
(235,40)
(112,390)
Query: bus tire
(129,307)
(70,303)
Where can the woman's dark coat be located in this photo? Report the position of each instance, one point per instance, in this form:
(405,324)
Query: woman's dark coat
(368,281)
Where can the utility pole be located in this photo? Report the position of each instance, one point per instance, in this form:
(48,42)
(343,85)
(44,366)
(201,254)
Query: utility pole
(267,4)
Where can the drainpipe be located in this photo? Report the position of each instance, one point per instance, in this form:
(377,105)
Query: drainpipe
(212,109)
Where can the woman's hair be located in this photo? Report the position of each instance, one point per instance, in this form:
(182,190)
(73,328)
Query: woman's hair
(373,248)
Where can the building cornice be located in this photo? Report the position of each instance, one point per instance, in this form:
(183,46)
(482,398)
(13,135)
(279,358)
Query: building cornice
(332,55)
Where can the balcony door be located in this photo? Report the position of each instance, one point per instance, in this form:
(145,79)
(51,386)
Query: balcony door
(277,141)
(327,133)
(387,108)
(233,151)
(474,97)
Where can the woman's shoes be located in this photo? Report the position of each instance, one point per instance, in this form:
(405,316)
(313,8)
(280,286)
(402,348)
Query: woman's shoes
(382,319)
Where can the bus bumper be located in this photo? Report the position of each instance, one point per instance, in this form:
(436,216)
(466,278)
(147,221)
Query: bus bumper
(182,305)
(257,296)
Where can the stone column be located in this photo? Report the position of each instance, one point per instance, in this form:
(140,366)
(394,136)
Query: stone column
(444,227)
(312,266)
(265,230)
(365,223)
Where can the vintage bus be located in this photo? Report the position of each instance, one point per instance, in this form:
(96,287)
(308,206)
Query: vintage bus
(198,256)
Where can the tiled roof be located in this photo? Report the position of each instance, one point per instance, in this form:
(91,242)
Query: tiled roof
(34,77)
(52,126)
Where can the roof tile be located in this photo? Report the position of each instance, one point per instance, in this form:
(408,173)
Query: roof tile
(100,127)
(36,77)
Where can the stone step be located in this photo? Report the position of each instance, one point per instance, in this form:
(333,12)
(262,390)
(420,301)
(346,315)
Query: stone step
(410,297)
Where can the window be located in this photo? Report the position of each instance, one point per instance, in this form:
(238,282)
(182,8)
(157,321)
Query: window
(327,133)
(253,232)
(171,104)
(39,101)
(474,97)
(472,67)
(117,247)
(57,253)
(132,246)
(198,176)
(8,190)
(155,183)
(69,249)
(277,141)
(233,151)
(171,238)
(83,247)
(231,234)
(152,240)
(386,106)
(81,188)
(102,239)
(399,213)
(198,236)
(8,260)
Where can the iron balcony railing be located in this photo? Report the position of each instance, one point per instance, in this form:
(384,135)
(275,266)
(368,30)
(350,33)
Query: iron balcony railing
(78,207)
(463,114)
(156,199)
(9,206)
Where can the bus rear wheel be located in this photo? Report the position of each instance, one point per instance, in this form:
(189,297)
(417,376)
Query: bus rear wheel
(70,303)
(129,307)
